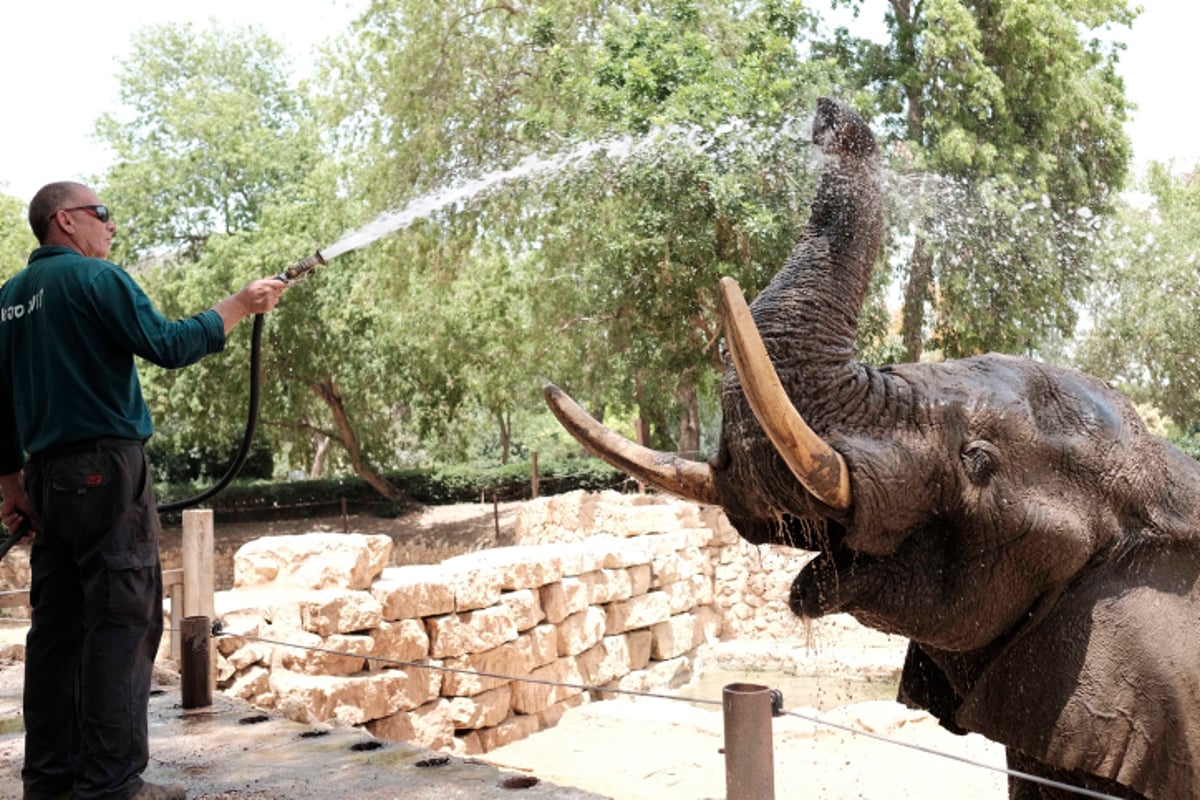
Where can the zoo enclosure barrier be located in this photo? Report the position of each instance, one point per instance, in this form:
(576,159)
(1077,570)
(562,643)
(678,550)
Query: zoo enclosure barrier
(747,713)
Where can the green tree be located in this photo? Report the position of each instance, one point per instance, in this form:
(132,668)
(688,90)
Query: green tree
(620,256)
(221,179)
(1145,335)
(214,130)
(16,240)
(1021,103)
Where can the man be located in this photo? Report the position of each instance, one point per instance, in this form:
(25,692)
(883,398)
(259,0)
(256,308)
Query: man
(70,326)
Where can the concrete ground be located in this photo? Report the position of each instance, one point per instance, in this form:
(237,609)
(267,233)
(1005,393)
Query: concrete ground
(232,751)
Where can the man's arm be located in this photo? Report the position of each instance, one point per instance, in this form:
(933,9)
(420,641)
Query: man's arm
(257,297)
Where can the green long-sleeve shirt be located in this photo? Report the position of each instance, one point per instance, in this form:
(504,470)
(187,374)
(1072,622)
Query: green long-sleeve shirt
(69,329)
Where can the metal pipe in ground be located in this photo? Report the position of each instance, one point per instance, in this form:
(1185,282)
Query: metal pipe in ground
(749,754)
(194,662)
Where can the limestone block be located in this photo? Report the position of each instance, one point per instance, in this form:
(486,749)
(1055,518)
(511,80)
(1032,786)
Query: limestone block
(615,553)
(543,645)
(605,662)
(353,700)
(662,544)
(339,611)
(427,726)
(483,710)
(526,607)
(639,643)
(405,640)
(466,744)
(575,595)
(327,659)
(550,717)
(224,670)
(709,623)
(639,519)
(607,585)
(702,589)
(581,631)
(414,591)
(680,595)
(678,565)
(513,729)
(470,632)
(723,533)
(520,566)
(313,560)
(474,587)
(249,653)
(250,683)
(553,601)
(658,675)
(674,637)
(498,665)
(637,612)
(530,698)
(640,576)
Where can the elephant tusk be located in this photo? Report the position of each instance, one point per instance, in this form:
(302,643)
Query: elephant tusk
(691,480)
(818,467)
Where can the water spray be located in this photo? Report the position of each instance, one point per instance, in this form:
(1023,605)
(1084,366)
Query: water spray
(717,143)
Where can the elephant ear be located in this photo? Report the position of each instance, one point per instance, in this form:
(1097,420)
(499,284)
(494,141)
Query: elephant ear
(1108,681)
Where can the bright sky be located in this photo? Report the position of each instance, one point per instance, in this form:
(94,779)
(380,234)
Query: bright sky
(60,73)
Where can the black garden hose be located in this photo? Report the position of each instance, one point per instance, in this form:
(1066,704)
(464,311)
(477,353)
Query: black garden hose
(247,437)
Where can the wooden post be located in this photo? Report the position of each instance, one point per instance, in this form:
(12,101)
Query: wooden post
(749,757)
(534,479)
(198,584)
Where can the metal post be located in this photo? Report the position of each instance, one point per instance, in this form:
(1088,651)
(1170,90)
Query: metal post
(194,664)
(749,756)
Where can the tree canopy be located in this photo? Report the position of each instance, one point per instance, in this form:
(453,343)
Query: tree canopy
(574,177)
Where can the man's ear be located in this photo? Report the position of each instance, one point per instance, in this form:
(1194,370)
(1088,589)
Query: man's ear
(64,221)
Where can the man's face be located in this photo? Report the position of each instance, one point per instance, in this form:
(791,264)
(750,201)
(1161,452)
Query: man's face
(80,222)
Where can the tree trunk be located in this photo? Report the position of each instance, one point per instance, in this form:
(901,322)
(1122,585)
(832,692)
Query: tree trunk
(916,292)
(327,390)
(318,462)
(689,420)
(505,421)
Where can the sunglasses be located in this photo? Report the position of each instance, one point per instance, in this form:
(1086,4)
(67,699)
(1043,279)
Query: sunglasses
(99,212)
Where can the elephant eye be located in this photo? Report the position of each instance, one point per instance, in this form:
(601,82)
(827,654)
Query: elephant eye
(981,459)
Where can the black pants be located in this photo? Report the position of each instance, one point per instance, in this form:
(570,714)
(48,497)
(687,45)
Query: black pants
(97,620)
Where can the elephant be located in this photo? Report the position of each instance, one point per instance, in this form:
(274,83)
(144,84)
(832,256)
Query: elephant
(1037,545)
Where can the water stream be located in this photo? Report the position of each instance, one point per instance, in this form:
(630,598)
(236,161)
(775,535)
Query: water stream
(717,142)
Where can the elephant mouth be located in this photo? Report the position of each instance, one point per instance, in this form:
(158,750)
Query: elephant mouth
(830,582)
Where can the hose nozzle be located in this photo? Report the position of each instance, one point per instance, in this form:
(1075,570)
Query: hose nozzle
(302,269)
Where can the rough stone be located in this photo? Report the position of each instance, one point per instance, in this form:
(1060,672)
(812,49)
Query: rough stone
(313,560)
(339,611)
(638,612)
(470,632)
(414,591)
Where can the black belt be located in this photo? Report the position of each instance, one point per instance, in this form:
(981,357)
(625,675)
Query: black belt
(87,446)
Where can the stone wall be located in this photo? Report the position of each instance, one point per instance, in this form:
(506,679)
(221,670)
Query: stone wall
(601,590)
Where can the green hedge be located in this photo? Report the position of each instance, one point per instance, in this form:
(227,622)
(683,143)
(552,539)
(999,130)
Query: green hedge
(246,499)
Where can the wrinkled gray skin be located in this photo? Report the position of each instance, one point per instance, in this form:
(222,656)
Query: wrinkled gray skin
(1016,521)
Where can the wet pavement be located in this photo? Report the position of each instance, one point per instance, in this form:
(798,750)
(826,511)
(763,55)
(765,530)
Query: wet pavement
(233,751)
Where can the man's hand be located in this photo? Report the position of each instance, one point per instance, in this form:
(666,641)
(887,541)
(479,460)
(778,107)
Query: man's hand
(256,297)
(15,508)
